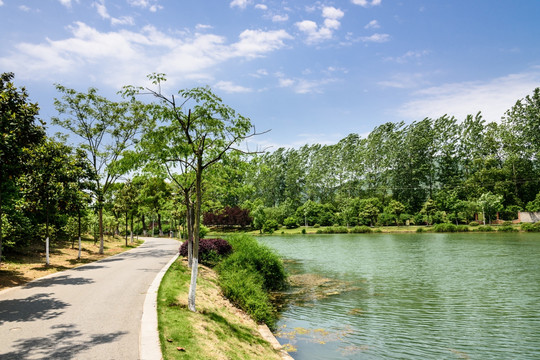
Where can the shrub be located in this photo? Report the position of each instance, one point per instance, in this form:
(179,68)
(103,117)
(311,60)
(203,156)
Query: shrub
(507,223)
(445,227)
(531,227)
(474,223)
(419,230)
(378,230)
(333,230)
(316,226)
(290,223)
(303,231)
(211,251)
(462,228)
(486,228)
(270,226)
(361,230)
(506,228)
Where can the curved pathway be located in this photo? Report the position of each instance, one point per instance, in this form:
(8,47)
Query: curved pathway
(90,312)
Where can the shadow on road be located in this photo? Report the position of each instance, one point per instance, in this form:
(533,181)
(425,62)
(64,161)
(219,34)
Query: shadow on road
(65,343)
(58,280)
(35,307)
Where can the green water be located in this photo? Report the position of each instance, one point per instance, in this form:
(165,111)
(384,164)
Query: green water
(416,296)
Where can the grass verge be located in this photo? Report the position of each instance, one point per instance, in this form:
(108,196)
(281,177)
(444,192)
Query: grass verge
(20,268)
(218,330)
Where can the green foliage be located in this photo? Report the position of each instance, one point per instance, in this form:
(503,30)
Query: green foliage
(445,227)
(333,230)
(474,223)
(270,226)
(485,228)
(419,230)
(534,205)
(361,230)
(462,228)
(528,227)
(506,228)
(290,223)
(248,274)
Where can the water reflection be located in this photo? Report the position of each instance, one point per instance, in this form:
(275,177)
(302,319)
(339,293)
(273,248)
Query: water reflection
(413,296)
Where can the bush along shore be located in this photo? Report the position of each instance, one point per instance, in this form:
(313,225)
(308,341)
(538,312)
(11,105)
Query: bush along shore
(239,269)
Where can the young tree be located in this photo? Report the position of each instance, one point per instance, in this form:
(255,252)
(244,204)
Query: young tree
(108,130)
(490,205)
(209,129)
(19,129)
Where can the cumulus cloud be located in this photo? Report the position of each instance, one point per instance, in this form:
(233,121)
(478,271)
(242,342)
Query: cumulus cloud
(316,33)
(373,24)
(367,3)
(492,97)
(280,18)
(376,38)
(122,56)
(408,56)
(261,7)
(304,86)
(242,4)
(1,3)
(102,11)
(66,3)
(229,87)
(151,5)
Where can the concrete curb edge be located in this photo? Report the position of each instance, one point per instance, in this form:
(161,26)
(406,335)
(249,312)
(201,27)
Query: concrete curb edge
(149,346)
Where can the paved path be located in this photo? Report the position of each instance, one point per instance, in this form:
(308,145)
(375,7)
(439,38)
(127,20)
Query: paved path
(90,312)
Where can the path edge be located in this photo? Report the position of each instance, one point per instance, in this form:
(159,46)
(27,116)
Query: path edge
(149,346)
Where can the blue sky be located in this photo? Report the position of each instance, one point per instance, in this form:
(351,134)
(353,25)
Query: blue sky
(312,71)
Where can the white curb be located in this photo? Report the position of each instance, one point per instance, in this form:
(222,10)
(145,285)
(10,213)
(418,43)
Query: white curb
(149,346)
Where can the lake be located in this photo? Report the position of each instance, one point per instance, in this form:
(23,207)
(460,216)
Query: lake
(412,296)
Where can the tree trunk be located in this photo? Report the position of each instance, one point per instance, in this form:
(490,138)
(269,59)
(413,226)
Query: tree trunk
(159,224)
(1,220)
(100,221)
(79,218)
(144,228)
(126,227)
(197,215)
(131,229)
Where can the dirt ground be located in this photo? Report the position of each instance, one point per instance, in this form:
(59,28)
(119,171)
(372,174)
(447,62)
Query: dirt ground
(18,269)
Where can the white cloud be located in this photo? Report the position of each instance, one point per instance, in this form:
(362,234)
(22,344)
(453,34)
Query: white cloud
(492,97)
(255,43)
(304,86)
(377,38)
(24,8)
(66,3)
(409,55)
(1,3)
(331,22)
(373,24)
(146,4)
(229,87)
(367,3)
(261,7)
(123,57)
(102,11)
(203,27)
(242,4)
(280,18)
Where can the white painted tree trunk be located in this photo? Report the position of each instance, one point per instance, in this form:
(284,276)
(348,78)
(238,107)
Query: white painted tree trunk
(79,257)
(193,284)
(47,250)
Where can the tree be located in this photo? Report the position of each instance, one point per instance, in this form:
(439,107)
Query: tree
(108,130)
(210,129)
(534,206)
(395,208)
(19,129)
(490,205)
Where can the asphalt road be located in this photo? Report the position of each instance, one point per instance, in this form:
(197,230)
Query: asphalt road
(90,312)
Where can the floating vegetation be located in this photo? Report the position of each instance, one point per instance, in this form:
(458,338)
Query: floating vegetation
(460,354)
(353,349)
(356,312)
(305,289)
(315,336)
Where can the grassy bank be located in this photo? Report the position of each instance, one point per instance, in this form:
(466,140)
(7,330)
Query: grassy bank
(19,268)
(218,330)
(384,229)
